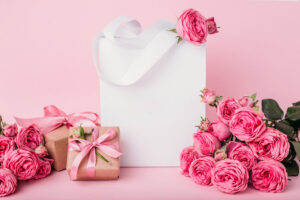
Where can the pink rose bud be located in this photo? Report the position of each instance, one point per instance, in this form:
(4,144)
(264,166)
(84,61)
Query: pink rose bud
(204,125)
(205,143)
(41,151)
(211,26)
(10,130)
(75,133)
(220,155)
(245,101)
(269,176)
(23,163)
(271,144)
(246,124)
(29,137)
(226,109)
(201,170)
(187,156)
(191,26)
(8,182)
(208,96)
(241,152)
(44,168)
(6,145)
(219,130)
(230,176)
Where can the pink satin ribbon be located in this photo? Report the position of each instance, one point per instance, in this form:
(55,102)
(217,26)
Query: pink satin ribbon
(55,118)
(86,147)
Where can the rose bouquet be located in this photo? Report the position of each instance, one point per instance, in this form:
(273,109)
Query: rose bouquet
(244,145)
(22,156)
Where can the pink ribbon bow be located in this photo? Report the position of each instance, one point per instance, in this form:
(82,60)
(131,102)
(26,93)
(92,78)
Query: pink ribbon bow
(86,147)
(55,118)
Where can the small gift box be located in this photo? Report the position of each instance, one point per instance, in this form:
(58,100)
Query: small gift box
(93,153)
(54,126)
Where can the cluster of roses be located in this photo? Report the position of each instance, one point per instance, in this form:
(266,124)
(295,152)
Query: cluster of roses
(23,156)
(237,147)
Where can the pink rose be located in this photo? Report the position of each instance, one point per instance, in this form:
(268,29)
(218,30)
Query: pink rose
(44,169)
(10,130)
(205,143)
(187,156)
(220,155)
(246,124)
(6,145)
(230,176)
(271,144)
(269,176)
(41,151)
(204,125)
(8,182)
(191,26)
(245,101)
(211,26)
(23,163)
(208,96)
(200,170)
(226,109)
(241,152)
(219,130)
(29,137)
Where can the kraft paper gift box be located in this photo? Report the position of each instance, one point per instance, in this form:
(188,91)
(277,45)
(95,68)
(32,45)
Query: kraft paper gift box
(56,143)
(103,170)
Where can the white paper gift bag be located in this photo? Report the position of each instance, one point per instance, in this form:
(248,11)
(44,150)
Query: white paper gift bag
(149,87)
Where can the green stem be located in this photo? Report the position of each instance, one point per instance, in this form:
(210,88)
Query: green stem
(102,157)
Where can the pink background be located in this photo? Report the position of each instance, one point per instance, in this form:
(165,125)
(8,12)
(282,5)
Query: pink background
(45,49)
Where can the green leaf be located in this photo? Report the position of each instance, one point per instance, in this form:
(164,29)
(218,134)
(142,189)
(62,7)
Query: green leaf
(292,110)
(102,157)
(291,167)
(285,127)
(292,154)
(173,30)
(81,132)
(296,146)
(253,97)
(179,40)
(296,103)
(271,109)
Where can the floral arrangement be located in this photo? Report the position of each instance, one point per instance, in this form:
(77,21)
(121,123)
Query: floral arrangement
(23,156)
(194,27)
(244,145)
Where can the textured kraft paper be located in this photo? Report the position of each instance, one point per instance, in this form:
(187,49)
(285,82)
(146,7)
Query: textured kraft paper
(56,143)
(103,170)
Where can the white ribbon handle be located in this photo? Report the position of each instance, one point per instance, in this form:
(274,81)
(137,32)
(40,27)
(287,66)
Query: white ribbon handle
(155,43)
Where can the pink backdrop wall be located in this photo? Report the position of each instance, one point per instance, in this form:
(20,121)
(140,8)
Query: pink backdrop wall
(45,49)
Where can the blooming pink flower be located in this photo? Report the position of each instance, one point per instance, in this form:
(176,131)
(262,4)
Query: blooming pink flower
(44,169)
(22,163)
(211,26)
(219,130)
(241,152)
(205,143)
(8,182)
(41,151)
(6,145)
(269,176)
(230,176)
(10,130)
(245,101)
(29,137)
(187,156)
(191,26)
(208,96)
(271,144)
(226,109)
(200,170)
(246,124)
(220,155)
